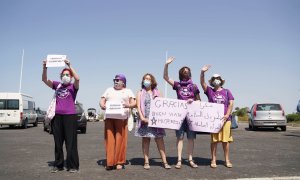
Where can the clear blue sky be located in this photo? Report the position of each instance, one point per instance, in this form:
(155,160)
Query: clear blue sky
(254,45)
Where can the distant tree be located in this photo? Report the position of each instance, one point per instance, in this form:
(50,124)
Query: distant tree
(242,111)
(101,116)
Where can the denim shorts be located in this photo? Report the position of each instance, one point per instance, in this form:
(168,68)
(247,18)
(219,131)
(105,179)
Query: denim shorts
(185,128)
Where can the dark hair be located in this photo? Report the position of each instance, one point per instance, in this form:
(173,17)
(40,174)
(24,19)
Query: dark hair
(153,81)
(181,76)
(66,69)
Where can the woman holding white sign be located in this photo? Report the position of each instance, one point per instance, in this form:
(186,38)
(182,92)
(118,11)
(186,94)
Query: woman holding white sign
(64,124)
(217,94)
(148,92)
(186,90)
(116,102)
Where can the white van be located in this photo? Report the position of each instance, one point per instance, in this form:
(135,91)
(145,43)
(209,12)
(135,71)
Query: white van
(17,109)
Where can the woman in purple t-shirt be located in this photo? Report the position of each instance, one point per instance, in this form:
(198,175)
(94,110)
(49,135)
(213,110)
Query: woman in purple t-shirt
(186,90)
(64,124)
(217,94)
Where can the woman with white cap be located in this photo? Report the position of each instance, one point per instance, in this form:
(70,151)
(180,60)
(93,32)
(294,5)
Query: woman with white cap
(217,94)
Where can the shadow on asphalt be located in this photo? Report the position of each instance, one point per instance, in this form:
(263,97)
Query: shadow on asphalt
(158,162)
(14,128)
(271,129)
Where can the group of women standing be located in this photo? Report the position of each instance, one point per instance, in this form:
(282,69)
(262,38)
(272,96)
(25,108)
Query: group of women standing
(116,132)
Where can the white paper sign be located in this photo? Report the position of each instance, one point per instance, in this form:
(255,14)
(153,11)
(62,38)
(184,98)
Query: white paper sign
(201,116)
(167,113)
(205,116)
(56,60)
(115,110)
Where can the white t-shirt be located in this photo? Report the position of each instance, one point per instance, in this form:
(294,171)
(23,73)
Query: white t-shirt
(120,96)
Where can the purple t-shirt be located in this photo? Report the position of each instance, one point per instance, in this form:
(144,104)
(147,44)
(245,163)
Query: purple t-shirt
(65,98)
(185,90)
(220,97)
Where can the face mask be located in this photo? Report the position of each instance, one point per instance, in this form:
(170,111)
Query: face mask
(118,85)
(147,83)
(216,82)
(66,79)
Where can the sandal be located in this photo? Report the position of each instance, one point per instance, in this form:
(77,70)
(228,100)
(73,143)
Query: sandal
(178,165)
(119,167)
(213,164)
(192,164)
(228,164)
(146,166)
(167,166)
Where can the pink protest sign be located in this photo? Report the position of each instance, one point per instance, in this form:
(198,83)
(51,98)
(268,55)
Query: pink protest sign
(201,116)
(167,113)
(205,117)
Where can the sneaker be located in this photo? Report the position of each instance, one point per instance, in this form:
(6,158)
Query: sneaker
(73,170)
(56,169)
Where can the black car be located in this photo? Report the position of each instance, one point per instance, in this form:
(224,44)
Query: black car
(40,115)
(81,119)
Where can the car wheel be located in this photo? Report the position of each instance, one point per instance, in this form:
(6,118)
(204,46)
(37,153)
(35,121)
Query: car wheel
(254,128)
(283,128)
(35,124)
(25,124)
(83,130)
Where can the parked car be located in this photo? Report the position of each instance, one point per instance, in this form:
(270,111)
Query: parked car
(267,115)
(92,114)
(81,119)
(40,115)
(298,107)
(17,109)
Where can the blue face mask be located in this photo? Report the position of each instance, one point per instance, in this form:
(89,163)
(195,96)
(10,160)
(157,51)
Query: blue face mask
(147,83)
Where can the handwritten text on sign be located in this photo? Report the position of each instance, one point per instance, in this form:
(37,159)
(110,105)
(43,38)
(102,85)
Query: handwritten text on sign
(201,116)
(56,60)
(114,110)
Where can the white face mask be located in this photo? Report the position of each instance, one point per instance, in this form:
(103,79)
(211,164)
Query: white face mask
(118,85)
(216,82)
(66,79)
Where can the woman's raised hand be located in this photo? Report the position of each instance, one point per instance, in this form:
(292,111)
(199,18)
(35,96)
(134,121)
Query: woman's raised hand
(170,60)
(205,68)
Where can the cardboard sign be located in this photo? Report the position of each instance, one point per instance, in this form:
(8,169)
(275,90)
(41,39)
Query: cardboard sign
(56,60)
(115,110)
(205,116)
(167,113)
(201,116)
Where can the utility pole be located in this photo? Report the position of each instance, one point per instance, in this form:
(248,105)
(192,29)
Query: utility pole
(21,74)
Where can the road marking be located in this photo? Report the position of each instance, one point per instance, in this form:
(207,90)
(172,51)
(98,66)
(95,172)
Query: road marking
(271,178)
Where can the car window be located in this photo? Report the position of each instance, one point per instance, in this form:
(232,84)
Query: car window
(2,103)
(13,104)
(268,107)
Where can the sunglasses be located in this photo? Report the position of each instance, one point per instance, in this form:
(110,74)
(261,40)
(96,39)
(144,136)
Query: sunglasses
(68,75)
(116,80)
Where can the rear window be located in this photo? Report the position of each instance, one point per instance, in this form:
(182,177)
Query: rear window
(268,107)
(9,104)
(2,104)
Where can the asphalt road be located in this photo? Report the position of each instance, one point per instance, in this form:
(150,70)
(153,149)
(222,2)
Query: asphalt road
(28,154)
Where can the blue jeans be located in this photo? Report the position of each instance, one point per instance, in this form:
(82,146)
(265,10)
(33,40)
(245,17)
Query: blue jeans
(185,128)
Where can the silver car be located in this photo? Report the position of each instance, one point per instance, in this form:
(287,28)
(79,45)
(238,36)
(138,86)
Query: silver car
(267,115)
